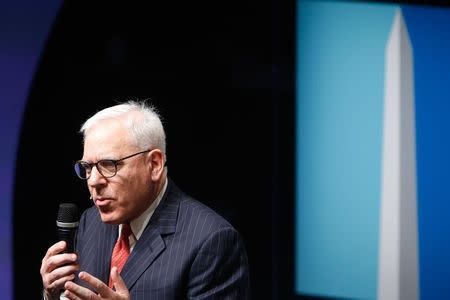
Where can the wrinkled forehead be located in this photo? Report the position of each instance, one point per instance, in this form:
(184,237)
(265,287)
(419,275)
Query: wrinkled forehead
(106,137)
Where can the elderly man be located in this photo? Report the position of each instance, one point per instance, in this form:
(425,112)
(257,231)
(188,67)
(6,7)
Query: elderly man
(143,238)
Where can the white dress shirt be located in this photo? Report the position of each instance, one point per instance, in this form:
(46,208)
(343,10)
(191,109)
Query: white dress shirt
(138,225)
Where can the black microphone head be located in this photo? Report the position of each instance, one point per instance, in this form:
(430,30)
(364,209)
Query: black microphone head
(67,213)
(67,225)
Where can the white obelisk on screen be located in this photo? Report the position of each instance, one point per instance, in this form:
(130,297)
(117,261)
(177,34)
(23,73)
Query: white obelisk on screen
(398,273)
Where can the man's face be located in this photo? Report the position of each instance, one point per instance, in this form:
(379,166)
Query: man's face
(124,196)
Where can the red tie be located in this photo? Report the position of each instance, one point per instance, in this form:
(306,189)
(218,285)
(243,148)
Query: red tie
(121,250)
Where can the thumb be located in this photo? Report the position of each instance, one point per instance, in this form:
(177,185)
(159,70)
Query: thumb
(118,282)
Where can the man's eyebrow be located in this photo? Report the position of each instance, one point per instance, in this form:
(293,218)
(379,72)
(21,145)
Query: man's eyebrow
(102,158)
(108,158)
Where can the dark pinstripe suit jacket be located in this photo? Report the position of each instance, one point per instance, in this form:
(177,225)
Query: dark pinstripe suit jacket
(187,251)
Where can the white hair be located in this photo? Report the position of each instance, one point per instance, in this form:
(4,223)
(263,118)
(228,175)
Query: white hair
(142,120)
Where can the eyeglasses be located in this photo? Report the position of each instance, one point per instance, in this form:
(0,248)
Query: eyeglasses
(106,167)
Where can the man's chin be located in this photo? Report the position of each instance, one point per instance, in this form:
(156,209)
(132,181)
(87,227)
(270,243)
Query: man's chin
(108,218)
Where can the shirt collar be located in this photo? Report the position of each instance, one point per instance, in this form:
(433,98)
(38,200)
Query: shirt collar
(138,225)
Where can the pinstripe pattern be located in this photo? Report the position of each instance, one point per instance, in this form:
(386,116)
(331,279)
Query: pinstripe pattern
(187,251)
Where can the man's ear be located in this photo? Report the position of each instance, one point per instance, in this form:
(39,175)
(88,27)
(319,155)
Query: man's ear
(156,165)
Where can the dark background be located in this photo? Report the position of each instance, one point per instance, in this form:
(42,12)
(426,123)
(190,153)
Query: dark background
(217,73)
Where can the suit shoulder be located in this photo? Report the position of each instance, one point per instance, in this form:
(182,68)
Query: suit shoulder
(202,217)
(89,217)
(89,213)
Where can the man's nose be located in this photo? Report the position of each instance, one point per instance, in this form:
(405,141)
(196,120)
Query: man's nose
(96,177)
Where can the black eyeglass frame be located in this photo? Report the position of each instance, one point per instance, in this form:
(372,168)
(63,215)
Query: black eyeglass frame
(82,163)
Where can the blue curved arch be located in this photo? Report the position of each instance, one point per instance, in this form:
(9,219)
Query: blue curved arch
(24,27)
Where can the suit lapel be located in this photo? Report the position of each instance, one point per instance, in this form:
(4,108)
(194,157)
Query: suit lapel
(105,251)
(151,243)
(97,248)
(144,253)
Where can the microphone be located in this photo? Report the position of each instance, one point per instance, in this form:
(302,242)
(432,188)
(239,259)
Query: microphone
(67,225)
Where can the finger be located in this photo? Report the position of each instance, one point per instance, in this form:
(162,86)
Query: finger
(57,261)
(58,284)
(52,251)
(55,249)
(75,291)
(61,272)
(118,282)
(96,284)
(57,277)
(71,296)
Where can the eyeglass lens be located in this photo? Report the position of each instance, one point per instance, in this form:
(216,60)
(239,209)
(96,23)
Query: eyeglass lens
(106,168)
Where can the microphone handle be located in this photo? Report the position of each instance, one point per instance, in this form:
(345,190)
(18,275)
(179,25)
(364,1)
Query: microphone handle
(69,236)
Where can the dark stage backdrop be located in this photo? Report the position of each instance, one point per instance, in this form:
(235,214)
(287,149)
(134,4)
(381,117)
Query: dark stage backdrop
(217,73)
